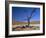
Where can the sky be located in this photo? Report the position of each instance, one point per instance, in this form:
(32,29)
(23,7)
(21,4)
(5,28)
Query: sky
(21,13)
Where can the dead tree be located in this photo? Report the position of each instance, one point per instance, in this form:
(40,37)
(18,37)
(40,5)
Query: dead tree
(29,17)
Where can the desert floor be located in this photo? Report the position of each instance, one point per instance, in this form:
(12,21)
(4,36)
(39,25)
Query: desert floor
(24,27)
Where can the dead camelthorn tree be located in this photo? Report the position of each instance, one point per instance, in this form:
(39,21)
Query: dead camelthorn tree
(29,17)
(31,14)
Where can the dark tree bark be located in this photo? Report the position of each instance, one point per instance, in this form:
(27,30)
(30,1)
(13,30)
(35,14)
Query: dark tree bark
(30,16)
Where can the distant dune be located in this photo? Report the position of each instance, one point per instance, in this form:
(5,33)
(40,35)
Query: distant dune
(17,22)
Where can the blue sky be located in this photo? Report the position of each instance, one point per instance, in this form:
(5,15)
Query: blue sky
(21,13)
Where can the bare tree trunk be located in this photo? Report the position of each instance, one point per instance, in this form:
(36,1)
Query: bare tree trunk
(30,16)
(28,21)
